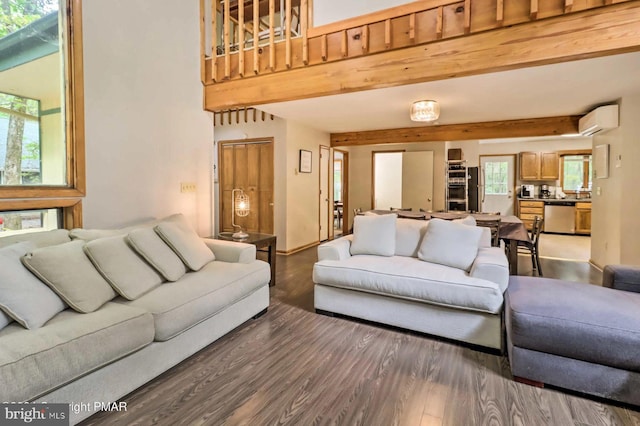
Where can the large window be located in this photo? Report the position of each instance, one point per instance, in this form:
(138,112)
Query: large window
(576,172)
(41,110)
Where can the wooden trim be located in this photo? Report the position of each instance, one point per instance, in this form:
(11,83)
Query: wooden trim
(202,42)
(329,223)
(345,189)
(373,173)
(547,126)
(298,249)
(592,33)
(71,208)
(379,16)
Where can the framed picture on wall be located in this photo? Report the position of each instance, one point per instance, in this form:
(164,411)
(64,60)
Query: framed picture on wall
(305,161)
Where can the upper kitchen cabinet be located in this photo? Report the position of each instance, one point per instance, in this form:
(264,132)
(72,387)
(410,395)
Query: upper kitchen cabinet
(539,166)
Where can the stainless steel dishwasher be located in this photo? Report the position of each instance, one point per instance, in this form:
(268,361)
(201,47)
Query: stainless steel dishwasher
(560,217)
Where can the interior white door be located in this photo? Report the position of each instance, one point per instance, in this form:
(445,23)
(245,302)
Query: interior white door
(324,194)
(497,182)
(417,180)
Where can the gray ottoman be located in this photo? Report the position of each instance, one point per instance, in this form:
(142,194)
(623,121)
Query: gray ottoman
(576,336)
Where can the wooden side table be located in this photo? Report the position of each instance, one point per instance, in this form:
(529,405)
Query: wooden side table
(263,242)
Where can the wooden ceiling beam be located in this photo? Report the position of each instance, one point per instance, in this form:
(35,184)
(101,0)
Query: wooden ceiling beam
(547,126)
(592,33)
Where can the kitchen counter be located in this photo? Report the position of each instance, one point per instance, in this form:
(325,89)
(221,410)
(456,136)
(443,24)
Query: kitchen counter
(555,200)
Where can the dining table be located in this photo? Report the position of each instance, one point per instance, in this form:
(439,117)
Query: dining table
(512,230)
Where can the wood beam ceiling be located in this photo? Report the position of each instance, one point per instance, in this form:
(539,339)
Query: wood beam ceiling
(547,126)
(592,33)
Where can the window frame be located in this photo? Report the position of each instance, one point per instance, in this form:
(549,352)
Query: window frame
(586,170)
(51,196)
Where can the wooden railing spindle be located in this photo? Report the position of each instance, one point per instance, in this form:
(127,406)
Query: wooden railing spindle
(272,44)
(256,36)
(412,28)
(500,12)
(365,39)
(287,26)
(214,40)
(568,6)
(387,33)
(533,14)
(304,24)
(240,38)
(323,47)
(227,40)
(467,16)
(344,44)
(439,22)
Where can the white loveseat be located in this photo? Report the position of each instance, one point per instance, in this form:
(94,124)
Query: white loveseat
(102,355)
(402,290)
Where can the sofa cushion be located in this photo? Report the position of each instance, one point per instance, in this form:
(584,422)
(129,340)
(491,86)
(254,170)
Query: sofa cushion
(186,244)
(34,362)
(40,239)
(23,296)
(69,272)
(5,320)
(122,267)
(375,234)
(451,244)
(409,234)
(178,306)
(150,246)
(574,320)
(411,279)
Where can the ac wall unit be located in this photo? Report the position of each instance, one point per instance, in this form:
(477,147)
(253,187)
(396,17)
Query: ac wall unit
(600,119)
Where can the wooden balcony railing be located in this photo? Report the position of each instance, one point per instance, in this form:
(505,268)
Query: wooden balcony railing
(243,46)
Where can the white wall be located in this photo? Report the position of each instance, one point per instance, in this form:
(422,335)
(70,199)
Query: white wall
(360,172)
(327,11)
(296,200)
(614,228)
(146,130)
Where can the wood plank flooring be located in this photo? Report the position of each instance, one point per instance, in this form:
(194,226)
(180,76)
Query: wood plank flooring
(294,367)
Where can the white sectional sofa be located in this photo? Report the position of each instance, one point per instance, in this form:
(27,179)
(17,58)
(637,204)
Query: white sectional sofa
(400,288)
(100,356)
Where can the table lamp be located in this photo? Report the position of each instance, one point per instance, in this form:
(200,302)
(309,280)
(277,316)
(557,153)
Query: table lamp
(241,209)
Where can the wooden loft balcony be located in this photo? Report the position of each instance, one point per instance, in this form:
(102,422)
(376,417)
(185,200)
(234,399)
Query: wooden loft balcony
(421,41)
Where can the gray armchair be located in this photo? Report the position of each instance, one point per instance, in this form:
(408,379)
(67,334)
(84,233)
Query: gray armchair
(577,336)
(622,277)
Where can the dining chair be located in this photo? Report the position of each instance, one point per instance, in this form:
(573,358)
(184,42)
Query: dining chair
(398,209)
(494,225)
(532,247)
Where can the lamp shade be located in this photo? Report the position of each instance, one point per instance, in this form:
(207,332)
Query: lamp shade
(241,204)
(425,111)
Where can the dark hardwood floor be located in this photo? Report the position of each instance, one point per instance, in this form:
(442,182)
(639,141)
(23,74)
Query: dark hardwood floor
(294,367)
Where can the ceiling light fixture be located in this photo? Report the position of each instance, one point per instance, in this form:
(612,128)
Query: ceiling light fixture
(425,111)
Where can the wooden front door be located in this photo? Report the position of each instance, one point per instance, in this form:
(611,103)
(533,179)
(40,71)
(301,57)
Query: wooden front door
(247,165)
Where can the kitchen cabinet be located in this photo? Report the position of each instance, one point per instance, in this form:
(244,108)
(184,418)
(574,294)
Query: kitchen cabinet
(539,166)
(583,218)
(528,210)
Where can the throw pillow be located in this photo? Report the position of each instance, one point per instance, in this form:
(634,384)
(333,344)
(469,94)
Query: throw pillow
(122,267)
(451,244)
(150,246)
(186,244)
(374,235)
(69,272)
(5,320)
(22,296)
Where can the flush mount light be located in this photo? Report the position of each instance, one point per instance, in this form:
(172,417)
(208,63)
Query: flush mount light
(425,111)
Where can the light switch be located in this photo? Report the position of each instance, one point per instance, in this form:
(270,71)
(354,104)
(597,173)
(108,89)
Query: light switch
(598,190)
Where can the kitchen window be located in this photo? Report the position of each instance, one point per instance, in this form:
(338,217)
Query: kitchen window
(576,172)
